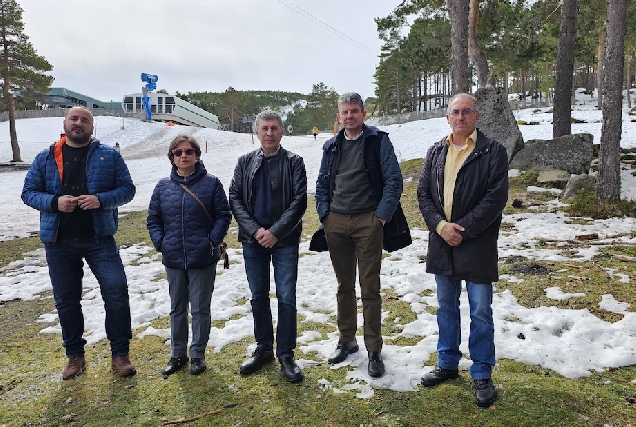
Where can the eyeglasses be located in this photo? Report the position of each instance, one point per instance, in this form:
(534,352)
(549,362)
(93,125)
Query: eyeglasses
(464,112)
(178,152)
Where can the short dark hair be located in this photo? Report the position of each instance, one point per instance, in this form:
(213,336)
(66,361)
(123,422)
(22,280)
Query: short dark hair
(268,115)
(183,138)
(351,98)
(79,107)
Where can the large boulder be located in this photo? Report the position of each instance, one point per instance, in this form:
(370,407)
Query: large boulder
(578,183)
(571,153)
(553,177)
(497,120)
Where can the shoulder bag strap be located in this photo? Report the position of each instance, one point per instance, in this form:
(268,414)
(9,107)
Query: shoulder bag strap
(187,190)
(224,255)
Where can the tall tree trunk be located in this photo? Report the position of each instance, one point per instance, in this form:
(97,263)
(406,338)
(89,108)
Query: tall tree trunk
(425,92)
(608,189)
(460,73)
(506,77)
(15,148)
(8,97)
(475,53)
(523,89)
(599,71)
(628,80)
(399,98)
(573,88)
(420,85)
(562,112)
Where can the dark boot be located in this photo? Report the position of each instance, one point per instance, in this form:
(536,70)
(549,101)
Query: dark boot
(485,392)
(174,364)
(292,372)
(342,351)
(438,376)
(260,357)
(197,366)
(376,365)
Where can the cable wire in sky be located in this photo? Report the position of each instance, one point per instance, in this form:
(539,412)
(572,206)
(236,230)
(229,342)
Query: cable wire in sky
(327,27)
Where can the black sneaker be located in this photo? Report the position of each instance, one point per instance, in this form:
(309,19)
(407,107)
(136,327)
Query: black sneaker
(197,366)
(485,392)
(260,357)
(438,376)
(174,364)
(292,371)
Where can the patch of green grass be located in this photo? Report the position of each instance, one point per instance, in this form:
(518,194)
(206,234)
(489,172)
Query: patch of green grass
(411,207)
(412,168)
(591,278)
(399,313)
(520,183)
(585,205)
(160,323)
(14,250)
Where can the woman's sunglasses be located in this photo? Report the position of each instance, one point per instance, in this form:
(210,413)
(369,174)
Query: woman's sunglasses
(178,152)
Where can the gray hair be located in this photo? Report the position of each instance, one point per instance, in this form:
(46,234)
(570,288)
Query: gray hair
(269,115)
(351,98)
(462,95)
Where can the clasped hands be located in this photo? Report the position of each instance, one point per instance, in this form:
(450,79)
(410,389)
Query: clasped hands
(450,233)
(68,203)
(265,238)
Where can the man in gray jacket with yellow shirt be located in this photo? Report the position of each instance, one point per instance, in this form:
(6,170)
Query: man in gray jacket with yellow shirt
(462,192)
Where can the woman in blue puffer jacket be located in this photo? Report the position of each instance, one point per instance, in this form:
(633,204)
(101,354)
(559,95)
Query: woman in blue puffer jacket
(188,219)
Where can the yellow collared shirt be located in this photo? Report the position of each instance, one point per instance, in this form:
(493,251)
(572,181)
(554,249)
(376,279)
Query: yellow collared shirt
(454,161)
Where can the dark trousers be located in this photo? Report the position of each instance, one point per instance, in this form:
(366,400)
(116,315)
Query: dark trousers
(66,269)
(355,240)
(284,259)
(194,287)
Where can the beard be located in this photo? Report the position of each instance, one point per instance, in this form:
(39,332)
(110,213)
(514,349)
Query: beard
(77,138)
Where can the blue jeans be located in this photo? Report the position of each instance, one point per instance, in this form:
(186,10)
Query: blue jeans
(66,269)
(481,341)
(285,261)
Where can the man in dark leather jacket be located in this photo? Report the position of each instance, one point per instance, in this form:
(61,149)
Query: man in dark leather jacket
(462,192)
(268,197)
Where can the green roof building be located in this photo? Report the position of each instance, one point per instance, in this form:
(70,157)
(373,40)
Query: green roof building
(59,97)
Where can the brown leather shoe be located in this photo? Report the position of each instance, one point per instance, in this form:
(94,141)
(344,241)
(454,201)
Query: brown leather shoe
(123,366)
(74,367)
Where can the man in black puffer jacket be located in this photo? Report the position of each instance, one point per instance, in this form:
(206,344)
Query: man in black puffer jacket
(462,192)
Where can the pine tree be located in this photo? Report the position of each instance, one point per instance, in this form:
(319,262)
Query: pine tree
(562,115)
(608,189)
(460,72)
(21,68)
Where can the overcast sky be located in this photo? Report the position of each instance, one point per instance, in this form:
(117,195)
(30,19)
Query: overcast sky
(100,48)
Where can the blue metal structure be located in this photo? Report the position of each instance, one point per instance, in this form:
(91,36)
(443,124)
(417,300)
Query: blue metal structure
(151,84)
